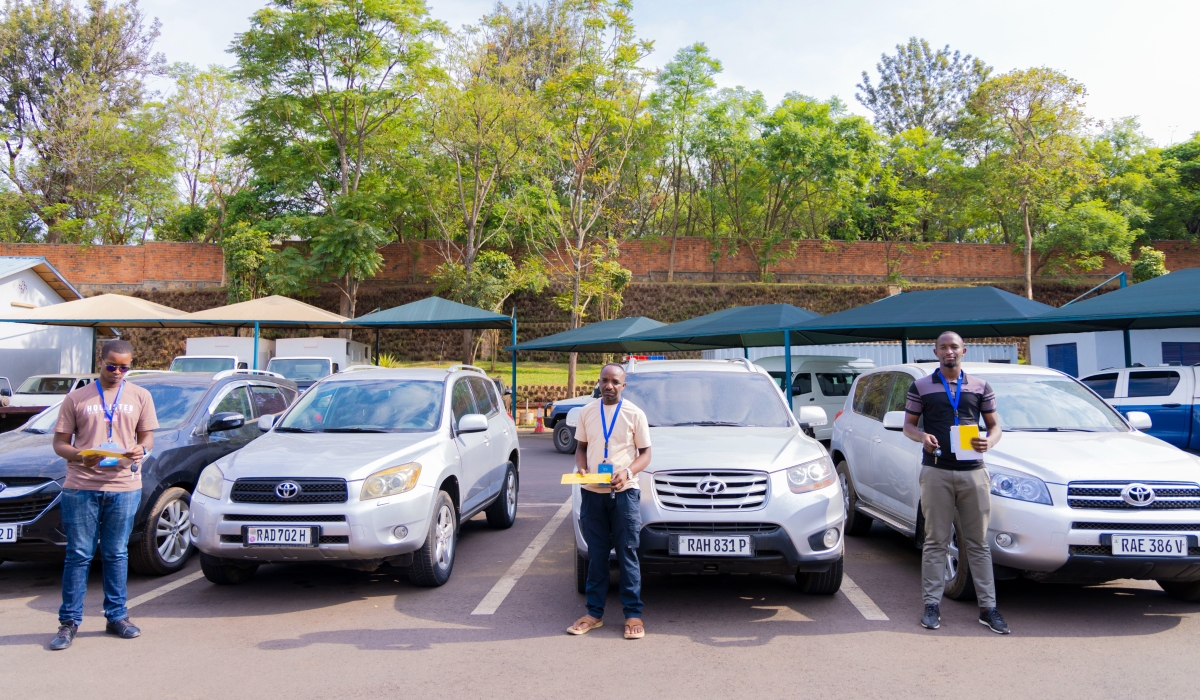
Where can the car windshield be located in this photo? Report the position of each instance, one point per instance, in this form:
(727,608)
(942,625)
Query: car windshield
(707,398)
(47,385)
(1033,402)
(835,383)
(300,370)
(44,421)
(173,403)
(202,364)
(371,406)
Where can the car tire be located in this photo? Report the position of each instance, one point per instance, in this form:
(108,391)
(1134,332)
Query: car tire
(857,523)
(822,582)
(1188,591)
(959,583)
(226,574)
(581,571)
(564,439)
(434,561)
(503,512)
(166,542)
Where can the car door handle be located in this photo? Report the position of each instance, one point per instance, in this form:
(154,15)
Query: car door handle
(1171,405)
(878,440)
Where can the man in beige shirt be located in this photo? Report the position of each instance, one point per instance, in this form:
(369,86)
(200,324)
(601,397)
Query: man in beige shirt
(614,438)
(100,496)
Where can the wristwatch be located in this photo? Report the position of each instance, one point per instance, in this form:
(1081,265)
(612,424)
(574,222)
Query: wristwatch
(628,474)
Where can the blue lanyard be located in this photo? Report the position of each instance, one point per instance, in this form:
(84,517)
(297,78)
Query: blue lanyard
(110,414)
(956,396)
(608,429)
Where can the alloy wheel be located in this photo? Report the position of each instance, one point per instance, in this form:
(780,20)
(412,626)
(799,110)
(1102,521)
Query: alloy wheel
(173,533)
(952,554)
(510,494)
(443,546)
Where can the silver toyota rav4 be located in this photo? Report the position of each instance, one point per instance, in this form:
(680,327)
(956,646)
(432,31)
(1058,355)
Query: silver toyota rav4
(735,483)
(369,467)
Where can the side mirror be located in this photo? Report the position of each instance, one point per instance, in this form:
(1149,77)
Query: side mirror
(472,423)
(226,420)
(796,391)
(596,392)
(811,416)
(266,422)
(573,417)
(893,420)
(336,369)
(1140,420)
(5,392)
(243,365)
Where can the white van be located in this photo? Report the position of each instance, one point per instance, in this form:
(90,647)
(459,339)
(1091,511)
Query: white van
(308,360)
(818,380)
(220,353)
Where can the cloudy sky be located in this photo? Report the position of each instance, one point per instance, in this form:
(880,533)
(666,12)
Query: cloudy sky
(1136,58)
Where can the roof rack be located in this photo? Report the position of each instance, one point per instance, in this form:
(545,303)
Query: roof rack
(235,372)
(745,361)
(357,368)
(139,372)
(466,368)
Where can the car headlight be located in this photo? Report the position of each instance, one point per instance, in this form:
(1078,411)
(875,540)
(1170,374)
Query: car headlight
(390,481)
(1021,487)
(211,482)
(811,476)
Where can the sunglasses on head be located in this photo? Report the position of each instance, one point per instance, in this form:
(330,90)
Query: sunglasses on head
(117,368)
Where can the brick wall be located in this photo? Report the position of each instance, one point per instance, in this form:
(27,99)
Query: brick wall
(110,268)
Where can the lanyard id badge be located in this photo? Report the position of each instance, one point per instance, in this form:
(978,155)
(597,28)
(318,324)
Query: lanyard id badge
(110,415)
(960,436)
(606,466)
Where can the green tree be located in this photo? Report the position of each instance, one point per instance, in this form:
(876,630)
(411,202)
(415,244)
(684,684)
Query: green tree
(1175,193)
(1150,263)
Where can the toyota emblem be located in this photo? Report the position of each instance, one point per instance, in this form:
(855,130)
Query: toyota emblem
(1139,495)
(711,486)
(287,490)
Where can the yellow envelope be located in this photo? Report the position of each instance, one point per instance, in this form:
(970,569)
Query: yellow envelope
(962,442)
(102,453)
(586,478)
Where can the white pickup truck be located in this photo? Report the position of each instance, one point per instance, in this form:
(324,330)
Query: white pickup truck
(1167,394)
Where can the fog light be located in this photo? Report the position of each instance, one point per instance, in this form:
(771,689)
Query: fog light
(830,538)
(1004,539)
(195,531)
(400,532)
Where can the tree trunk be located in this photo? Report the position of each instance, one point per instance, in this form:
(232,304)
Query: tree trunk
(1028,251)
(671,264)
(468,346)
(573,358)
(346,308)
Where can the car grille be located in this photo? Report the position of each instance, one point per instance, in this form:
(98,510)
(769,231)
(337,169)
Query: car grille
(744,490)
(1138,527)
(23,480)
(1107,495)
(324,539)
(311,491)
(712,528)
(1099,550)
(27,507)
(247,518)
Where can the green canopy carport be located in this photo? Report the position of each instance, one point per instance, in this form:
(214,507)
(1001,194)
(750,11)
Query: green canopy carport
(603,336)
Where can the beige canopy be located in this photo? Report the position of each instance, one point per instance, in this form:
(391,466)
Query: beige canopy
(268,312)
(111,310)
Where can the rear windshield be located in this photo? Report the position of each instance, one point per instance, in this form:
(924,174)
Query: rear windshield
(202,364)
(47,385)
(301,370)
(707,398)
(367,406)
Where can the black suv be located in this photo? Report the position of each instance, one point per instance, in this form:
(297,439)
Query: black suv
(202,417)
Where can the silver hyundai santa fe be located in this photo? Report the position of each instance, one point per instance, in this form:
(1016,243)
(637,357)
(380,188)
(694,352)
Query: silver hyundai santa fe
(370,467)
(735,484)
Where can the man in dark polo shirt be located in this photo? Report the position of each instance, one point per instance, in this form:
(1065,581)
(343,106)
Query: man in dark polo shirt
(947,399)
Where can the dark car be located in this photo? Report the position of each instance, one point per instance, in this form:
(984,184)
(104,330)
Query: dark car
(202,417)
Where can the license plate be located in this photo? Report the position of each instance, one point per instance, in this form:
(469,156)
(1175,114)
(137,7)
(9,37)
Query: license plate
(713,546)
(9,533)
(1149,545)
(254,536)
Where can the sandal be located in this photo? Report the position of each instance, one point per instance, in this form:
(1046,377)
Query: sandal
(585,624)
(632,623)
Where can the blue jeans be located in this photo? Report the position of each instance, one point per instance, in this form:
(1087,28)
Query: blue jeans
(609,523)
(89,517)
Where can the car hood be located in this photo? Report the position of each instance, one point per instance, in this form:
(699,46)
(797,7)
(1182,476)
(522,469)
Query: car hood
(1063,457)
(350,456)
(704,447)
(22,400)
(30,454)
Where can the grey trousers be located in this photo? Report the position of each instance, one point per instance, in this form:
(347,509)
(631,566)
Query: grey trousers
(944,494)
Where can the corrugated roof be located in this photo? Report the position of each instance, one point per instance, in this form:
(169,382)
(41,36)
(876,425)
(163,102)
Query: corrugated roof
(739,326)
(10,265)
(1170,301)
(604,336)
(433,312)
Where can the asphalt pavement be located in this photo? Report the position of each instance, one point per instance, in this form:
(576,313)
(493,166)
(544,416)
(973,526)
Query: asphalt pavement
(497,630)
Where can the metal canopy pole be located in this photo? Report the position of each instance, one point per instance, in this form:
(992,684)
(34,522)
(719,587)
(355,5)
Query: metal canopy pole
(787,366)
(904,348)
(376,345)
(514,363)
(255,366)
(1128,352)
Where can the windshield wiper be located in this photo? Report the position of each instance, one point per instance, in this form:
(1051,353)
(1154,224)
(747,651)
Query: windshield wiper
(354,430)
(295,430)
(1049,430)
(36,431)
(707,423)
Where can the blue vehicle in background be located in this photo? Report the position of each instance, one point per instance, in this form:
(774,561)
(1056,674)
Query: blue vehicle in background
(1167,394)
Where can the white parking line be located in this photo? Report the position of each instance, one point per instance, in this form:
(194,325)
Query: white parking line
(164,589)
(859,599)
(500,591)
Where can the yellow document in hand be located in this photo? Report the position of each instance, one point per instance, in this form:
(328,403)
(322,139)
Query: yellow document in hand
(961,436)
(102,453)
(576,478)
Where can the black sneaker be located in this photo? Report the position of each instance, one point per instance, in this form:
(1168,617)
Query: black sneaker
(932,618)
(991,618)
(123,629)
(62,640)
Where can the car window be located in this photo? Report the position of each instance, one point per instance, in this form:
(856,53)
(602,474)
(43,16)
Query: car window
(46,385)
(367,406)
(174,403)
(1103,384)
(237,401)
(43,422)
(1159,383)
(461,401)
(899,392)
(302,370)
(1042,403)
(483,398)
(268,400)
(835,383)
(732,399)
(82,383)
(860,392)
(202,364)
(802,384)
(877,395)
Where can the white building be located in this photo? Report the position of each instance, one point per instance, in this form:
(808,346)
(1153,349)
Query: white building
(1080,354)
(25,350)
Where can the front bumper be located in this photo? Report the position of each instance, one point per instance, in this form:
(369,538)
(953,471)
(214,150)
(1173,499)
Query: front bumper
(786,531)
(354,531)
(42,537)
